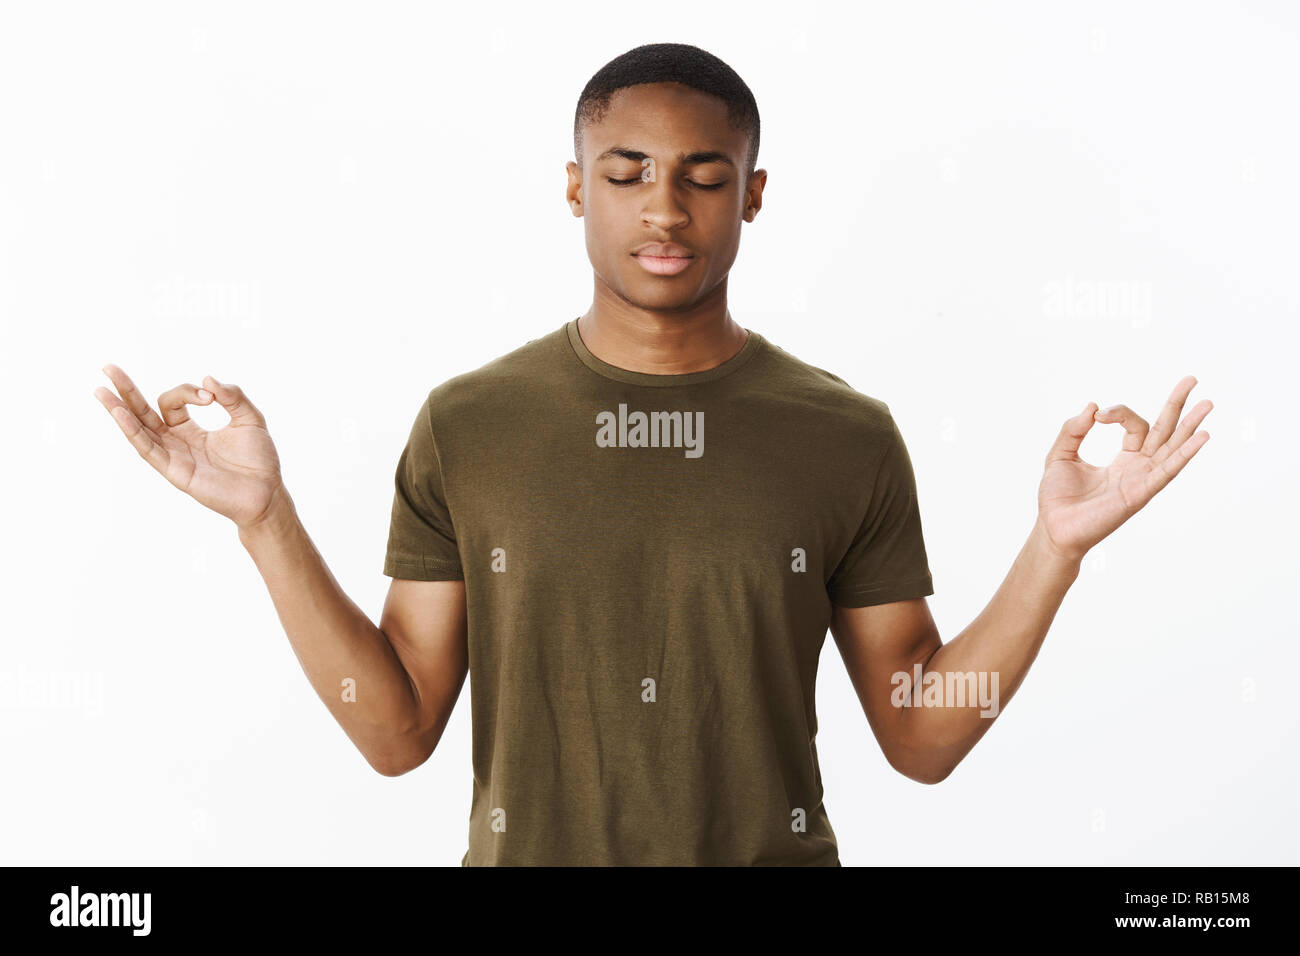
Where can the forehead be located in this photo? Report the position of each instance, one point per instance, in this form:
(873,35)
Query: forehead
(664,120)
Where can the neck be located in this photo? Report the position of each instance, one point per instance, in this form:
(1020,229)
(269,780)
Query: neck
(660,342)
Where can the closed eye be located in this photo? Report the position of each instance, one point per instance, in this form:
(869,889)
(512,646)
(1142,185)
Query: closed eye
(637,179)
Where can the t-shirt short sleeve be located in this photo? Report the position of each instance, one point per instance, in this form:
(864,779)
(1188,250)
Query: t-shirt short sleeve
(886,560)
(421,540)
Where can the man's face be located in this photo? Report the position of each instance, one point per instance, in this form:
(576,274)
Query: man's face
(681,167)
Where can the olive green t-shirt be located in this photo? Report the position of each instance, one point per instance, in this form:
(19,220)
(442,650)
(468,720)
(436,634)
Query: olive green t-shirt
(649,565)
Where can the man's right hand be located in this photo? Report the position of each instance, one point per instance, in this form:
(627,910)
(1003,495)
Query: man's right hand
(235,470)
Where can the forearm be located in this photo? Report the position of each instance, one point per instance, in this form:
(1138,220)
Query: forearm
(334,639)
(998,647)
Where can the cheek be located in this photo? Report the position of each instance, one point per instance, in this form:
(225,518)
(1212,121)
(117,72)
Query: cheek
(603,244)
(725,250)
(603,227)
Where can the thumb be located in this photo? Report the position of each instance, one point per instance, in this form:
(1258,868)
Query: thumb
(1071,435)
(235,402)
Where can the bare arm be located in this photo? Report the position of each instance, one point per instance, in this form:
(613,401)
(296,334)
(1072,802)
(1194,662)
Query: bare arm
(879,642)
(392,687)
(1078,506)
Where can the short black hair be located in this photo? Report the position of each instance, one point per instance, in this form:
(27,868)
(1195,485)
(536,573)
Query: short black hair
(669,63)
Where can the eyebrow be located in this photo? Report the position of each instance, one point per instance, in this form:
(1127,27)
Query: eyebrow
(686,159)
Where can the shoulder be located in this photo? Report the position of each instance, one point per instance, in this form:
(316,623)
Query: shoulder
(504,381)
(814,389)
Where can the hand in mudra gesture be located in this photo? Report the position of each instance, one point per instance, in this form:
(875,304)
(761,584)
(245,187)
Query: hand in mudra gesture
(1079,504)
(234,470)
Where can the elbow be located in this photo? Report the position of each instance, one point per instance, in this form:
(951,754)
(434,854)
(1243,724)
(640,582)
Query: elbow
(395,763)
(386,769)
(403,751)
(387,766)
(920,772)
(930,776)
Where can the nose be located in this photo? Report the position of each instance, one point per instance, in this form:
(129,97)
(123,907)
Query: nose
(662,208)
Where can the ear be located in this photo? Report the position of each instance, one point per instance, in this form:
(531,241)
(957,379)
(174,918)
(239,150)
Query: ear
(754,194)
(573,190)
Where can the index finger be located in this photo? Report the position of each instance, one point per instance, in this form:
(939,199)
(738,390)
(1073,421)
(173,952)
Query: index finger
(133,399)
(142,439)
(1169,415)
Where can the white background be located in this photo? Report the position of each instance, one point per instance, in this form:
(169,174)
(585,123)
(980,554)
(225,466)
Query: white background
(985,215)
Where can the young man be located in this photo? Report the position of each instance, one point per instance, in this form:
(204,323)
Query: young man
(634,532)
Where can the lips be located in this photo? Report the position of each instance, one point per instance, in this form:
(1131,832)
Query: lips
(663,250)
(663,258)
(664,265)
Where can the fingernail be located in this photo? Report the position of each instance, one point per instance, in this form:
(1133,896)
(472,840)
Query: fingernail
(204,394)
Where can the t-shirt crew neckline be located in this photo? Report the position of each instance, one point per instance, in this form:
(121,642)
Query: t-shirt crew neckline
(747,351)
